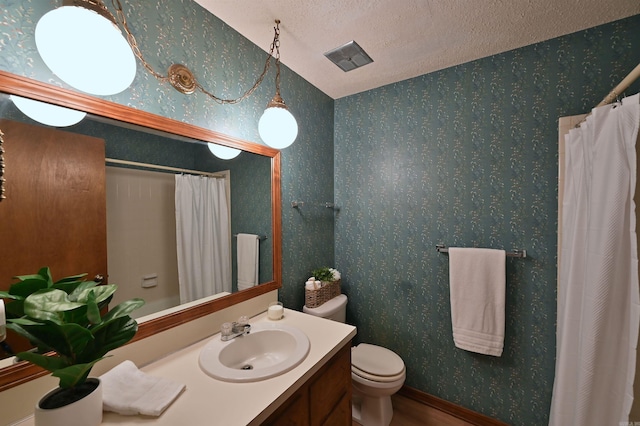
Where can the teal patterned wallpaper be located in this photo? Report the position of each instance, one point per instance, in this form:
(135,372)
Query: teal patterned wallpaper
(466,156)
(225,63)
(463,156)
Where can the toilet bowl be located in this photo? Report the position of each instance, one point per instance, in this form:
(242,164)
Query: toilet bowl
(376,372)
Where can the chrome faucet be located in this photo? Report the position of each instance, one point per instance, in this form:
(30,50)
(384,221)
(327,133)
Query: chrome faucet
(231,330)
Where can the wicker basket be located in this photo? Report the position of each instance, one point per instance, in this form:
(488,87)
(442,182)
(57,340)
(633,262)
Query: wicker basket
(315,298)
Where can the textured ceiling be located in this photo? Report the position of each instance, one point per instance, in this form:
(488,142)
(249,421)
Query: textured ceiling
(405,38)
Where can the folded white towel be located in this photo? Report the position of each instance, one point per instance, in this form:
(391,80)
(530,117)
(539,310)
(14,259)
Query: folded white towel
(127,390)
(477,288)
(248,258)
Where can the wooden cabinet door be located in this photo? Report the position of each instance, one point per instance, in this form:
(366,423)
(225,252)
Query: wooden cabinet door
(325,400)
(330,391)
(294,412)
(341,413)
(55,211)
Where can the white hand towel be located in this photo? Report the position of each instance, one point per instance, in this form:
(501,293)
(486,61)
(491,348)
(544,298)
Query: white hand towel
(127,390)
(248,260)
(477,287)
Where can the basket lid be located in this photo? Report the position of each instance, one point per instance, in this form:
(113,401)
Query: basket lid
(329,307)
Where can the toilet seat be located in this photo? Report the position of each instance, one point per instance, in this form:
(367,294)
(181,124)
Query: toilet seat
(378,379)
(376,363)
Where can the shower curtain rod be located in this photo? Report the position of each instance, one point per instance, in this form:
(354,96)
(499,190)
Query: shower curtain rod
(615,93)
(157,167)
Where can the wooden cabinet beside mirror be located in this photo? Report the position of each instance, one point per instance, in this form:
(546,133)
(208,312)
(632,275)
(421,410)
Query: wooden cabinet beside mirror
(11,84)
(54,214)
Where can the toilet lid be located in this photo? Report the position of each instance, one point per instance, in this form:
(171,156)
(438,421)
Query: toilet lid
(376,360)
(378,379)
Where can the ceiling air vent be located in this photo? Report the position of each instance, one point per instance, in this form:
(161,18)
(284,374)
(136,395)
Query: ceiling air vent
(349,56)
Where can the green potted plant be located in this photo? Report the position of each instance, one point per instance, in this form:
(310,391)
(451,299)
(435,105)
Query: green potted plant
(323,286)
(65,318)
(326,274)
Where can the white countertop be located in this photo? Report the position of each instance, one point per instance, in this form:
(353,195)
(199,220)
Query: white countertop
(207,401)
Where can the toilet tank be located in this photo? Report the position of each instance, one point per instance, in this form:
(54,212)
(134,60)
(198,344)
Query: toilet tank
(334,309)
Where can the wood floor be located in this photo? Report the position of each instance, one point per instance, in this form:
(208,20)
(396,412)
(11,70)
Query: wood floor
(407,412)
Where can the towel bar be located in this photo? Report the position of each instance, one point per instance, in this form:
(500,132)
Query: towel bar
(260,237)
(514,253)
(299,204)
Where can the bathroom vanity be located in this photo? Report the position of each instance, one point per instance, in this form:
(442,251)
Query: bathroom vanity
(325,399)
(317,391)
(168,343)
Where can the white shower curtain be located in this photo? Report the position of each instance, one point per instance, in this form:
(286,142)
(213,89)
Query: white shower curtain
(598,311)
(203,239)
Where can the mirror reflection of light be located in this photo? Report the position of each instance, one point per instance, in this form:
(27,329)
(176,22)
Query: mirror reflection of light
(51,115)
(223,152)
(85,50)
(278,128)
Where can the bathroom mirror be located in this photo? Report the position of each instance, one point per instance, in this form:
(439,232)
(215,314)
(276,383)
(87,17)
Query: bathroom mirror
(139,185)
(16,85)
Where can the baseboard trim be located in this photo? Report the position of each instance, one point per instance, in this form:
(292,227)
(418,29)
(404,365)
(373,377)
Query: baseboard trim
(449,407)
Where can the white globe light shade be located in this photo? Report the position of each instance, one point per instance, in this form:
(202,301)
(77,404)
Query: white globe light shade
(223,152)
(51,115)
(278,127)
(86,50)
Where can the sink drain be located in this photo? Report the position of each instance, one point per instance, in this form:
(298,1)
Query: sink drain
(247,367)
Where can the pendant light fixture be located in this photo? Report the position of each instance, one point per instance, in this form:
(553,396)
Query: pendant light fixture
(81,43)
(51,115)
(277,126)
(223,152)
(103,63)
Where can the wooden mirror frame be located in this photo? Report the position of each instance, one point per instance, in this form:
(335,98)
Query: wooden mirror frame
(17,85)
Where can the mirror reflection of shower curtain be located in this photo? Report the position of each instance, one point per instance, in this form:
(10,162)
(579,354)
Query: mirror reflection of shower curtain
(202,233)
(598,301)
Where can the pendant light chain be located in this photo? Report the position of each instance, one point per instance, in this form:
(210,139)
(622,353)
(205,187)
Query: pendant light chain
(133,43)
(165,78)
(276,45)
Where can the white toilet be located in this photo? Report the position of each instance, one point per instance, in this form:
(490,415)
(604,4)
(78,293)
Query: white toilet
(376,372)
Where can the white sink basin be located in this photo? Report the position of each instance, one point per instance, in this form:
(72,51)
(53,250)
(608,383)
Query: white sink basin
(267,351)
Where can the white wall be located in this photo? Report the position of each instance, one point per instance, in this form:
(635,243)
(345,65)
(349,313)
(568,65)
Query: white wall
(141,236)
